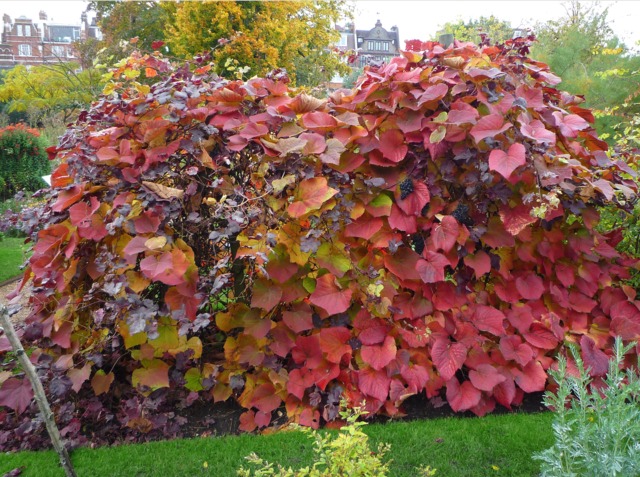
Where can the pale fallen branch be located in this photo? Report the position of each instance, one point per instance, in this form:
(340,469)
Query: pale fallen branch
(38,391)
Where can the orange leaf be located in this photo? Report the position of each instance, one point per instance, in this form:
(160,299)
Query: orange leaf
(311,194)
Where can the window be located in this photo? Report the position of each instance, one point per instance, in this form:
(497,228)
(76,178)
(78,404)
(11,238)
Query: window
(377,45)
(24,50)
(343,39)
(58,51)
(19,30)
(27,30)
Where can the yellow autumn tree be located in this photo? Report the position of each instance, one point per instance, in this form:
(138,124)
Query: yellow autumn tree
(295,35)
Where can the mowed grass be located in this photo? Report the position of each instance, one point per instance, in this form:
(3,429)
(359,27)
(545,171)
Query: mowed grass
(12,256)
(497,446)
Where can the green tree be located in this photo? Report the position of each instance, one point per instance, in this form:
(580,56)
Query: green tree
(497,30)
(56,88)
(584,51)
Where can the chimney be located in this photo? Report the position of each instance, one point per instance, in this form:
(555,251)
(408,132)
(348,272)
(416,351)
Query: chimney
(43,15)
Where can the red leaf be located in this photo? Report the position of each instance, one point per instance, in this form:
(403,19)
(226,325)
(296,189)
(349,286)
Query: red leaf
(299,318)
(62,336)
(505,392)
(530,286)
(565,274)
(262,419)
(315,143)
(400,221)
(570,124)
(374,383)
(307,351)
(392,145)
(480,262)
(532,378)
(320,121)
(334,342)
(415,202)
(538,132)
(462,113)
(431,270)
(16,394)
(516,219)
(328,296)
(80,213)
(489,126)
(364,227)
(325,373)
(403,264)
(445,234)
(507,162)
(625,321)
(448,357)
(541,337)
(594,358)
(266,295)
(378,356)
(514,349)
(147,223)
(485,377)
(462,397)
(78,376)
(415,375)
(533,96)
(520,317)
(168,267)
(68,197)
(265,399)
(309,418)
(433,93)
(490,319)
(299,381)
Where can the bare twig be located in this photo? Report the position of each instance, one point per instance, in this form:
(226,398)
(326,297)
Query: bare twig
(38,390)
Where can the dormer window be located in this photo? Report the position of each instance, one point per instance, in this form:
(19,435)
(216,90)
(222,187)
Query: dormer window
(19,31)
(24,50)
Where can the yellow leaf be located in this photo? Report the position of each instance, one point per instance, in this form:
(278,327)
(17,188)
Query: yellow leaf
(156,243)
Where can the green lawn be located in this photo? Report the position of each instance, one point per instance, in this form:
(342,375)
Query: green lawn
(458,447)
(12,255)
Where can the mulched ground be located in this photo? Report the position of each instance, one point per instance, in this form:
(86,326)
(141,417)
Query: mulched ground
(206,419)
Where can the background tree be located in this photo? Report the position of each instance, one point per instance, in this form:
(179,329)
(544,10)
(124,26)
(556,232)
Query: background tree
(583,49)
(56,88)
(120,21)
(295,35)
(497,30)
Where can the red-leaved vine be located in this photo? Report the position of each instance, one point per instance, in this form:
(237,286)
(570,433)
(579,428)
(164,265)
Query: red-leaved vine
(431,231)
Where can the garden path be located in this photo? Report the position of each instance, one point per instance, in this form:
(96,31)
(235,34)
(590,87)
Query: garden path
(8,288)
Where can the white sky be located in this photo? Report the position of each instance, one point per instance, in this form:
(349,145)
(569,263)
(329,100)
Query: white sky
(417,19)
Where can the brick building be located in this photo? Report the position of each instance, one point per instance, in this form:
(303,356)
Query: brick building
(27,42)
(372,45)
(377,44)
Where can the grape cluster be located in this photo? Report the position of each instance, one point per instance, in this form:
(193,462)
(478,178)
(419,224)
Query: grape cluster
(417,241)
(406,188)
(461,214)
